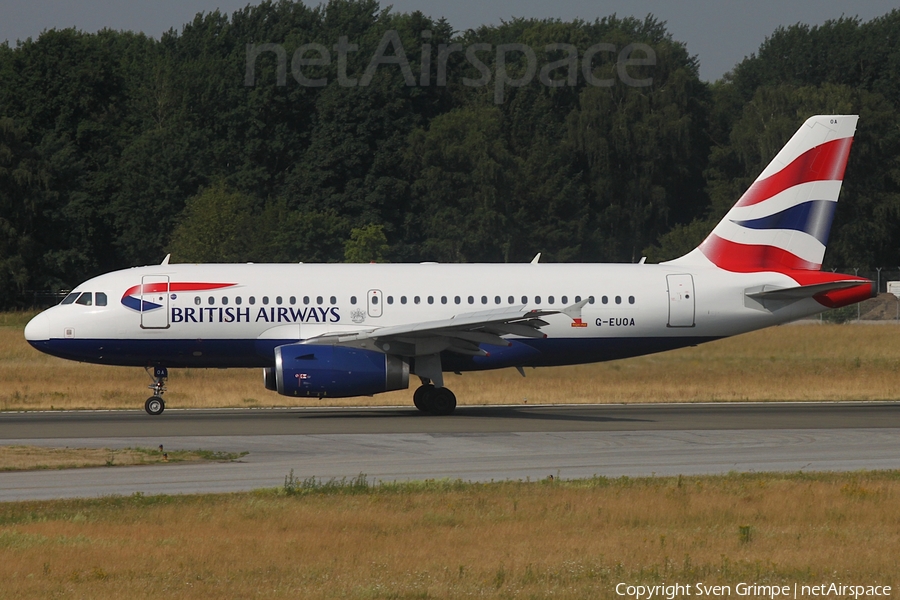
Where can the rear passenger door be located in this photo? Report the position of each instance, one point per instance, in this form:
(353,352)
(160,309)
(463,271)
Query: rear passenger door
(681,300)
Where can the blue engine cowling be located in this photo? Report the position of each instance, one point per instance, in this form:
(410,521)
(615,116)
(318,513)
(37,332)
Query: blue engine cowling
(337,371)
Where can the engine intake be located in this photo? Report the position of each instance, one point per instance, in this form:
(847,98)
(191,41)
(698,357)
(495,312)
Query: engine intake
(337,371)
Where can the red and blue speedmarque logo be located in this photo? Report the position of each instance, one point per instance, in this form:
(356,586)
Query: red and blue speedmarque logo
(132,298)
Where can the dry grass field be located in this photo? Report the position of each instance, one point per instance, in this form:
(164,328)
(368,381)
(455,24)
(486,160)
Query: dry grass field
(792,362)
(30,458)
(450,540)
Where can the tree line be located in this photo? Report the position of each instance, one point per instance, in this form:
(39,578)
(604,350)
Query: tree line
(586,141)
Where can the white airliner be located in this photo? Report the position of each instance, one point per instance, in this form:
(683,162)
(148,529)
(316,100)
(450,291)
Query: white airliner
(331,331)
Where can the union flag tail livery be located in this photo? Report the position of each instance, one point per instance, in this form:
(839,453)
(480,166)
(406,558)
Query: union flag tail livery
(782,222)
(352,330)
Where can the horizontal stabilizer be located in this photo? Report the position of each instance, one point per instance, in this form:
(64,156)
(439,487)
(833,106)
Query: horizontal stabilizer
(805,291)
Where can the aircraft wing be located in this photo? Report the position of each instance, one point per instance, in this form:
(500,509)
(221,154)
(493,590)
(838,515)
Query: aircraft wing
(461,333)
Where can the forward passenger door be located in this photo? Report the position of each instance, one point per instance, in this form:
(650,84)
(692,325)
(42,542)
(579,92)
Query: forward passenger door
(155,302)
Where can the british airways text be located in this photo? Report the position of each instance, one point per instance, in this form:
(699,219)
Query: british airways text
(272,314)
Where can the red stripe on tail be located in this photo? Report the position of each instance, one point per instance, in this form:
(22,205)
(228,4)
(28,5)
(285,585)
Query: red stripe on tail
(746,258)
(825,162)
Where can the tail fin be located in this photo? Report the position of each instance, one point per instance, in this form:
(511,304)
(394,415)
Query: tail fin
(782,221)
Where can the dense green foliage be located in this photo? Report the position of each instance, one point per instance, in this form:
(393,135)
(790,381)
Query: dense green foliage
(116,148)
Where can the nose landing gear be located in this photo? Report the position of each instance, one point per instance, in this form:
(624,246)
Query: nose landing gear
(155,404)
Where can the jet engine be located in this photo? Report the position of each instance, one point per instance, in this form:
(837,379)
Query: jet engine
(335,371)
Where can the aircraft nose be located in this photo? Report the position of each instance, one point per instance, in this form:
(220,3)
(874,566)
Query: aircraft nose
(38,329)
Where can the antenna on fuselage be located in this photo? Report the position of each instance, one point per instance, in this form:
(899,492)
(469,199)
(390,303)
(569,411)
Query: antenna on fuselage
(166,259)
(536,259)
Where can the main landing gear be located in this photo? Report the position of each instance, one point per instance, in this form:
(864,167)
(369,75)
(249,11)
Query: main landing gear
(434,400)
(155,404)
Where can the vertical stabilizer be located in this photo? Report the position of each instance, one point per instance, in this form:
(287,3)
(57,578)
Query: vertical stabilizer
(782,221)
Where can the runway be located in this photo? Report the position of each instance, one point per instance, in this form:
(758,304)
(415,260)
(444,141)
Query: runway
(475,444)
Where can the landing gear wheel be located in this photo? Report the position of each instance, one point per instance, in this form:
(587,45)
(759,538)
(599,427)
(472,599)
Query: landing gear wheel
(420,397)
(434,401)
(443,402)
(154,405)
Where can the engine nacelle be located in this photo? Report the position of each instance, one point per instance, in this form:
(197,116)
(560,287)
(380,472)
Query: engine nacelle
(269,379)
(337,371)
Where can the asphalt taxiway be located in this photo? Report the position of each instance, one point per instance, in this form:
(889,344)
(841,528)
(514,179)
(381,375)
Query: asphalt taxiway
(476,443)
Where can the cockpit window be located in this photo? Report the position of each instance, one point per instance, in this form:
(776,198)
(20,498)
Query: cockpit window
(101,299)
(70,298)
(86,299)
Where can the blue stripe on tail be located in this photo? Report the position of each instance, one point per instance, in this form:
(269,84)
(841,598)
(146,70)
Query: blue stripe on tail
(813,217)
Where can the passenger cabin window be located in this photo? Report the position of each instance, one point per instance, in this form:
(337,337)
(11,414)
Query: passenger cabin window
(237,300)
(604,300)
(630,299)
(319,300)
(551,300)
(511,300)
(496,299)
(443,299)
(85,299)
(212,300)
(390,299)
(101,299)
(618,299)
(305,299)
(564,299)
(224,299)
(456,299)
(251,300)
(265,300)
(402,299)
(471,300)
(524,299)
(278,300)
(352,300)
(417,300)
(70,298)
(333,300)
(293,300)
(484,299)
(196,299)
(430,299)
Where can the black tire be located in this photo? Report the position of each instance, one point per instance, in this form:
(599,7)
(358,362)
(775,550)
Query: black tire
(421,397)
(154,405)
(442,402)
